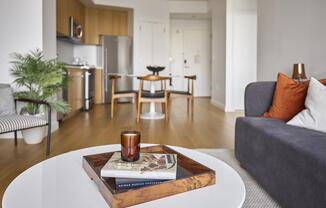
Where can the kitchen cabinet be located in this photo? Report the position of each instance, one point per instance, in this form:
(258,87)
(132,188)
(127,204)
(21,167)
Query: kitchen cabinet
(96,21)
(91,26)
(104,21)
(120,23)
(62,17)
(65,9)
(98,86)
(75,90)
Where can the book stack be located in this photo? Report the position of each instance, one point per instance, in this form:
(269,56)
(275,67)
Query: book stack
(150,169)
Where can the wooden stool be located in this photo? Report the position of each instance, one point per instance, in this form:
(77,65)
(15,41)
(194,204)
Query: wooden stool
(189,94)
(119,94)
(157,97)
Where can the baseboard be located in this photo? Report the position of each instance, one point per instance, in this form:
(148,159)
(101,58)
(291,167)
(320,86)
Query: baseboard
(54,126)
(11,135)
(218,104)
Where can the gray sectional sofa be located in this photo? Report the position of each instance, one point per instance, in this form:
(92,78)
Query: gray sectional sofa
(288,162)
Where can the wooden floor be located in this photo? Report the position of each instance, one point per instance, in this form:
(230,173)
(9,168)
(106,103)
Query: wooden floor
(208,128)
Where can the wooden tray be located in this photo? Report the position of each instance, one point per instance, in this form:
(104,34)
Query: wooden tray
(190,175)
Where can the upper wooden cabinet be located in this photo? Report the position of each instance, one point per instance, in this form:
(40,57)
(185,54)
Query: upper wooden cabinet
(91,25)
(104,21)
(96,21)
(65,9)
(62,17)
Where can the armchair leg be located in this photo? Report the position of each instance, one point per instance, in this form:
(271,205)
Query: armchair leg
(15,138)
(48,143)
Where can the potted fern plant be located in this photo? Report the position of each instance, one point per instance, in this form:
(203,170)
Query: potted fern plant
(38,79)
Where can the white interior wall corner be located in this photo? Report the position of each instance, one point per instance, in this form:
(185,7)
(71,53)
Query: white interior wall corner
(241,50)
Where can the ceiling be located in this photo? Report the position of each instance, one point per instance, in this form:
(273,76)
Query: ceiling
(188,0)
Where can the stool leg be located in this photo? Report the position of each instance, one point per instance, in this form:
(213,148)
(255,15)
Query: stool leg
(192,105)
(166,111)
(139,106)
(112,107)
(188,102)
(136,101)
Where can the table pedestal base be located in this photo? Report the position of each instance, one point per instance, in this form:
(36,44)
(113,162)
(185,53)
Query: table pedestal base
(152,115)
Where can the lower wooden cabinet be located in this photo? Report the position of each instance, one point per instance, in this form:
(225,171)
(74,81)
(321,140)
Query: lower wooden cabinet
(98,86)
(75,91)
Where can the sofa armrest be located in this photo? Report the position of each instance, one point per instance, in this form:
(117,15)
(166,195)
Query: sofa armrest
(258,98)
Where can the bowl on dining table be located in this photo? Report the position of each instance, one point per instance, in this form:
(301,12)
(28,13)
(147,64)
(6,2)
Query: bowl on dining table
(155,69)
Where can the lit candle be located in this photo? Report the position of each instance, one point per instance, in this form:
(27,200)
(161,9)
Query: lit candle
(130,146)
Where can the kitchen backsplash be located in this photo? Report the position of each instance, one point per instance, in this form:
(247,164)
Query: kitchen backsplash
(66,52)
(89,53)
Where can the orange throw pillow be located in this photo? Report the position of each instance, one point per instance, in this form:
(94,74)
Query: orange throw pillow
(289,98)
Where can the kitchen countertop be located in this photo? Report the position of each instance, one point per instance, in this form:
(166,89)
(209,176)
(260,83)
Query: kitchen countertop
(81,67)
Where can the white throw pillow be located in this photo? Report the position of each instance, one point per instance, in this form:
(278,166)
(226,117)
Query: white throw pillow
(314,116)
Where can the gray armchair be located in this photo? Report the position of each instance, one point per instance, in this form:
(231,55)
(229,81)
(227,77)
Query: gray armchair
(10,121)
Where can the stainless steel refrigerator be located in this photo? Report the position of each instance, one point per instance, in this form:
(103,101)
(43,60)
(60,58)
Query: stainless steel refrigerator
(117,59)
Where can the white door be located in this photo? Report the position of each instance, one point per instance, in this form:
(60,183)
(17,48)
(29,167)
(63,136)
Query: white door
(146,46)
(176,59)
(160,43)
(153,47)
(190,55)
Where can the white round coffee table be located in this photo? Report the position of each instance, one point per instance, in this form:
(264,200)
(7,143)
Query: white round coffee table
(62,182)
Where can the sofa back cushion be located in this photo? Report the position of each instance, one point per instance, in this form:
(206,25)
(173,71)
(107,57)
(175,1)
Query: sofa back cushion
(289,98)
(7,104)
(313,117)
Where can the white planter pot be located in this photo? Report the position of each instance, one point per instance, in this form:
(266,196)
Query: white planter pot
(34,135)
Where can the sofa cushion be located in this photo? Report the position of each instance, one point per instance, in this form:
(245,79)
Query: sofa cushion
(7,104)
(288,99)
(16,122)
(287,161)
(314,116)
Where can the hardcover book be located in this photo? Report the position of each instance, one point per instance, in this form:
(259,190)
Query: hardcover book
(128,183)
(149,166)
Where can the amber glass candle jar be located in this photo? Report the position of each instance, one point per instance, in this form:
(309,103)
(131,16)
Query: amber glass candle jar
(130,146)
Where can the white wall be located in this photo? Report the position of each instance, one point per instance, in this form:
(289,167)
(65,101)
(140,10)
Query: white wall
(21,31)
(241,51)
(291,31)
(234,49)
(185,7)
(49,29)
(218,12)
(25,26)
